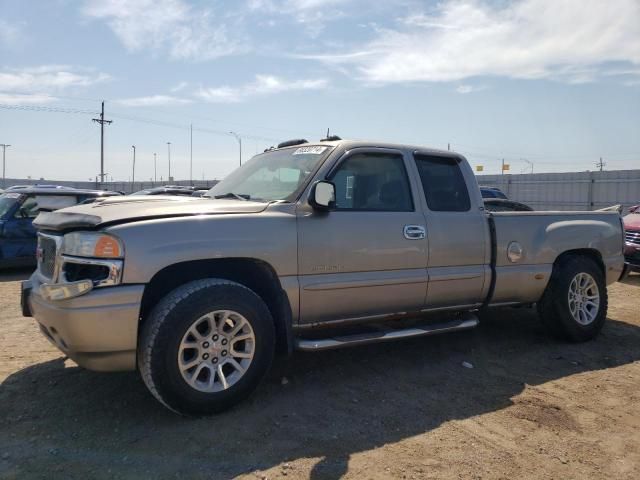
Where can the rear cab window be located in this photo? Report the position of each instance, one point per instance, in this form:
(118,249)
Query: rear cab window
(443,184)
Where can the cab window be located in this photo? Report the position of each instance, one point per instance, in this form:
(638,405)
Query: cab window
(28,209)
(372,182)
(443,184)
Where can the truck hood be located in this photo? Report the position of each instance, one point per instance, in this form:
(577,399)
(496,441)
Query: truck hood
(632,221)
(117,210)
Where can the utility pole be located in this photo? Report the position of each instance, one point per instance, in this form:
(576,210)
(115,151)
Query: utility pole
(4,150)
(169,155)
(102,121)
(133,170)
(191,155)
(239,139)
(600,164)
(448,146)
(155,170)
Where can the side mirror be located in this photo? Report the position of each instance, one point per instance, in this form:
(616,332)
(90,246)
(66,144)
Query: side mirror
(634,209)
(323,195)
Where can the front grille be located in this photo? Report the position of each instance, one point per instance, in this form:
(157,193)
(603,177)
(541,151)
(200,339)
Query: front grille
(47,256)
(632,237)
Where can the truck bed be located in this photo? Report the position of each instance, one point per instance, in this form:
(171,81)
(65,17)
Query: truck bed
(543,236)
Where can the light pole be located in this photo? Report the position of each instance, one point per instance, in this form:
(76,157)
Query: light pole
(4,149)
(239,139)
(169,155)
(155,170)
(133,170)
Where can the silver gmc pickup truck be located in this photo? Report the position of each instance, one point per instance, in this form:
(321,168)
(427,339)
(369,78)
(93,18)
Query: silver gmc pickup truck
(307,246)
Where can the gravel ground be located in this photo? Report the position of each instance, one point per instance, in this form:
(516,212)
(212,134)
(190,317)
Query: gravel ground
(529,407)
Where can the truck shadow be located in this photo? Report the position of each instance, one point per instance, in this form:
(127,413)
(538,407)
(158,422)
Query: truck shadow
(12,274)
(632,279)
(332,404)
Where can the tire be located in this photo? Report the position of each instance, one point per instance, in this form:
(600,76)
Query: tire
(555,307)
(175,334)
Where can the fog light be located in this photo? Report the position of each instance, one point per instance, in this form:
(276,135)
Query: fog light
(62,291)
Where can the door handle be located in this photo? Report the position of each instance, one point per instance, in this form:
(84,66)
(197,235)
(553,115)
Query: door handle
(414,232)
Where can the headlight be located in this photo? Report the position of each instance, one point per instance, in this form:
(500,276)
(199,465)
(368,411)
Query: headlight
(90,244)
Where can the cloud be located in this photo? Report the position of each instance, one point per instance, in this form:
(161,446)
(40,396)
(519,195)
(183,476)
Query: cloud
(153,101)
(40,84)
(311,15)
(288,6)
(179,87)
(172,26)
(262,85)
(469,88)
(573,41)
(25,99)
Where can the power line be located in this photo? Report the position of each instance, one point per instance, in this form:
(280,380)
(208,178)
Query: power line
(44,108)
(484,155)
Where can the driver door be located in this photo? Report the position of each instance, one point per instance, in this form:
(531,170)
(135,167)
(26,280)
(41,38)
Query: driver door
(364,259)
(19,232)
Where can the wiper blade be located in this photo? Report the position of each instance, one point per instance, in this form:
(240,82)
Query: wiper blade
(241,196)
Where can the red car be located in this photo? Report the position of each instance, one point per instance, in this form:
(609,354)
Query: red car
(632,239)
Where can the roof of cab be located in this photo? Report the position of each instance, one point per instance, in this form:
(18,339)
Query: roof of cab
(351,144)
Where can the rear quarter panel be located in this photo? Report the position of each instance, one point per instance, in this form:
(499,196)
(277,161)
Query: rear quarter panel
(544,236)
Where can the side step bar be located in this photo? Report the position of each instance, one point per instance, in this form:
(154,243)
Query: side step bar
(467,321)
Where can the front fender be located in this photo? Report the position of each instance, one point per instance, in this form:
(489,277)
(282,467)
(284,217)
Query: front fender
(152,245)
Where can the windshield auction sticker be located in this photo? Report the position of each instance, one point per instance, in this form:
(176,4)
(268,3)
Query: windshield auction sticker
(314,150)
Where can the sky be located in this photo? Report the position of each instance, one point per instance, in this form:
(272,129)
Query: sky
(546,85)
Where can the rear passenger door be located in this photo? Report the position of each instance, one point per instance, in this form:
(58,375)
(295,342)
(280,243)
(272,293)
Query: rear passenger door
(457,230)
(368,256)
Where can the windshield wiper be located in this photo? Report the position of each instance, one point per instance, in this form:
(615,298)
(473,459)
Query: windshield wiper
(241,196)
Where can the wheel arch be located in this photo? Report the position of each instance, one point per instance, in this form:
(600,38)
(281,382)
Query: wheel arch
(591,253)
(254,274)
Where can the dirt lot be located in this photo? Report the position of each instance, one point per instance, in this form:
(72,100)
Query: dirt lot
(530,407)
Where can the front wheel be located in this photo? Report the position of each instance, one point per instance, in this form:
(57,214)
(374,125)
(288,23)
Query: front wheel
(574,305)
(206,346)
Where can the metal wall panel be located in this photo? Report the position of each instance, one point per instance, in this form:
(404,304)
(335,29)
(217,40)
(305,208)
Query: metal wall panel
(570,191)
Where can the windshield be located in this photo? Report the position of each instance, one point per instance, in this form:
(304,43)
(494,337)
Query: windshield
(274,175)
(7,201)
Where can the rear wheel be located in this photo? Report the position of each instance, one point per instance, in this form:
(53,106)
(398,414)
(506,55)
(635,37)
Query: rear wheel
(574,305)
(206,346)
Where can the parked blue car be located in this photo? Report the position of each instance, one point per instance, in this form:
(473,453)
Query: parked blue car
(492,192)
(18,208)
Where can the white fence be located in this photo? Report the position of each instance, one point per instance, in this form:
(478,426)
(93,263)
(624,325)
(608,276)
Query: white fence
(569,191)
(126,187)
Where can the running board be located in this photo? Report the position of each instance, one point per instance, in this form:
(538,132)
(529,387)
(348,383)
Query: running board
(469,320)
